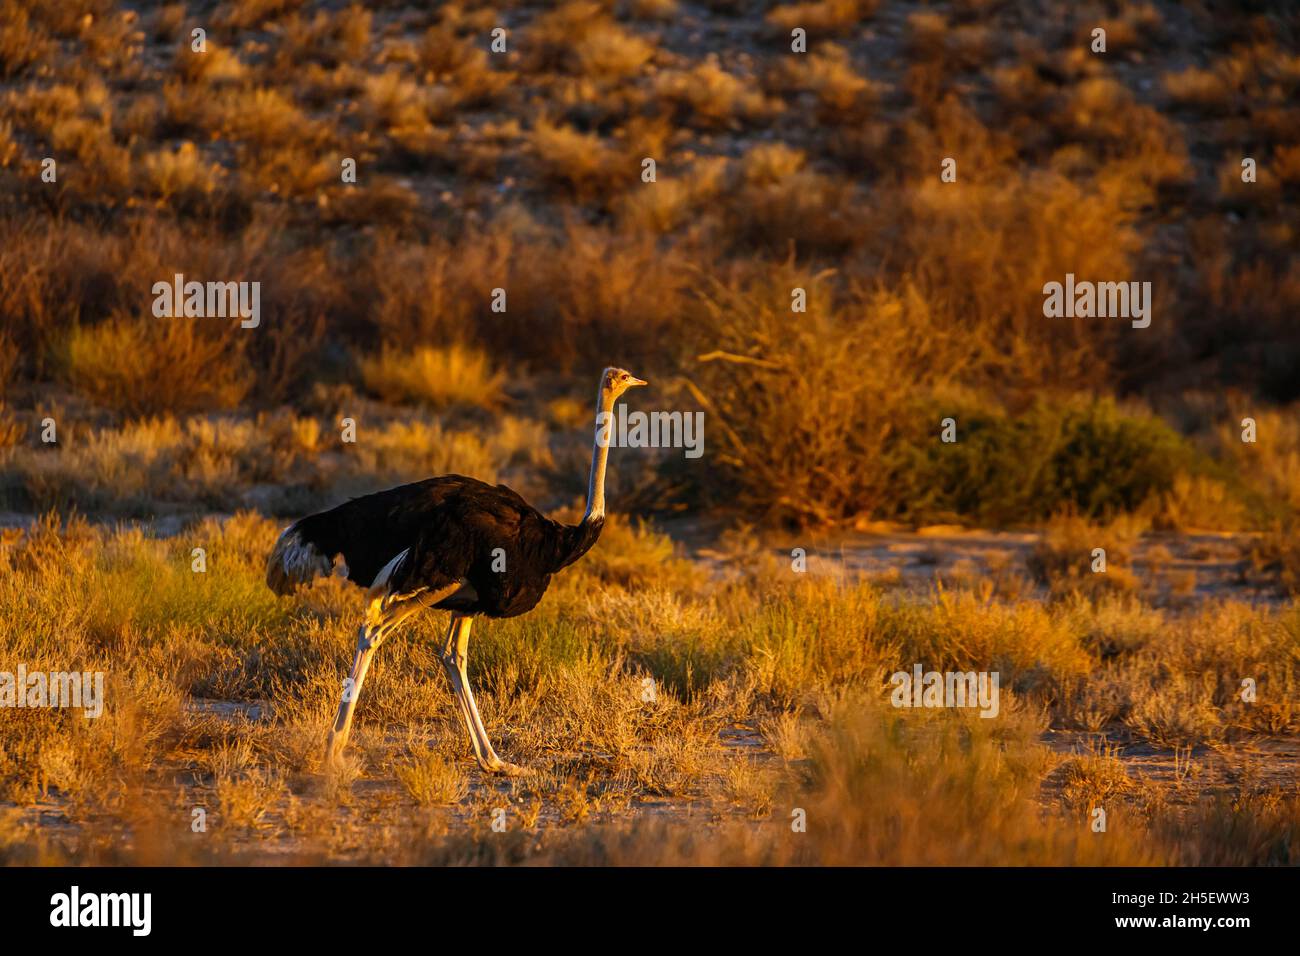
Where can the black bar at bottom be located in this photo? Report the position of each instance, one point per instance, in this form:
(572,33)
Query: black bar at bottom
(332,905)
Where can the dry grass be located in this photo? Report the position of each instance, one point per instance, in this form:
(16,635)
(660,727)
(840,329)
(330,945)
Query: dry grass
(822,16)
(282,463)
(1066,557)
(438,377)
(155,366)
(432,781)
(563,689)
(521,170)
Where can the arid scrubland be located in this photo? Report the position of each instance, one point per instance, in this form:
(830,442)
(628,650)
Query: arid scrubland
(522,172)
(643,684)
(500,243)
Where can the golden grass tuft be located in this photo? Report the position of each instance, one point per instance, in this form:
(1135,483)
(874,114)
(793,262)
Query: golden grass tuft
(431,780)
(438,377)
(169,364)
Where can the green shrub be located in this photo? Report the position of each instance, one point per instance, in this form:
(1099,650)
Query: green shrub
(1089,456)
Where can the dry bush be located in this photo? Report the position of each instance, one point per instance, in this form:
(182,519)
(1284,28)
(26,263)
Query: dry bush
(1250,77)
(941,49)
(438,377)
(246,799)
(167,22)
(384,206)
(432,781)
(1197,87)
(1180,712)
(12,429)
(824,17)
(591,168)
(708,96)
(243,14)
(163,365)
(842,94)
(580,37)
(582,162)
(987,156)
(1097,779)
(100,167)
(417,294)
(794,425)
(263,118)
(608,52)
(1249,827)
(1198,502)
(1063,556)
(804,436)
(1269,466)
(114,45)
(443,52)
(296,171)
(593,299)
(9,358)
(22,43)
(1276,556)
(776,201)
(1143,149)
(324,40)
(463,68)
(216,64)
(984,283)
(654,9)
(673,200)
(180,176)
(401,107)
(1236,192)
(187,110)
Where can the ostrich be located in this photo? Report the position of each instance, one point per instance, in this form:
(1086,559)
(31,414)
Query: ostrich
(438,543)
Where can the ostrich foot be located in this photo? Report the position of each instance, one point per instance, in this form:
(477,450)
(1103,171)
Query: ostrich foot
(506,768)
(333,753)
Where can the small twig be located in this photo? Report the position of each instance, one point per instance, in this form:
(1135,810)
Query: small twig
(740,360)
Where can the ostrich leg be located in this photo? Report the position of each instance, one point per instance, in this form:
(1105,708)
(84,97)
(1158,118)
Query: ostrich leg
(368,641)
(454,657)
(383,616)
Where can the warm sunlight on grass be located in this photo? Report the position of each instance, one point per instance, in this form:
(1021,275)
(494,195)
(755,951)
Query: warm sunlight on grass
(438,377)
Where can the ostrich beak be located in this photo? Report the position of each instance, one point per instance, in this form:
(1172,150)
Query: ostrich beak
(637,381)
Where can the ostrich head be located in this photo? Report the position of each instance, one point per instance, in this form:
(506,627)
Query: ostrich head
(615,381)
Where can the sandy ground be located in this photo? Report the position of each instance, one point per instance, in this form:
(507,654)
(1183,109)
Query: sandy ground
(1177,569)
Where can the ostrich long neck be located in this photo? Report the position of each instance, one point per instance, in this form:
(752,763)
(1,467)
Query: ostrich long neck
(599,457)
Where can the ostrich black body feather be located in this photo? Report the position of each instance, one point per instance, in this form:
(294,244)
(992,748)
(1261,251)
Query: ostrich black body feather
(448,529)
